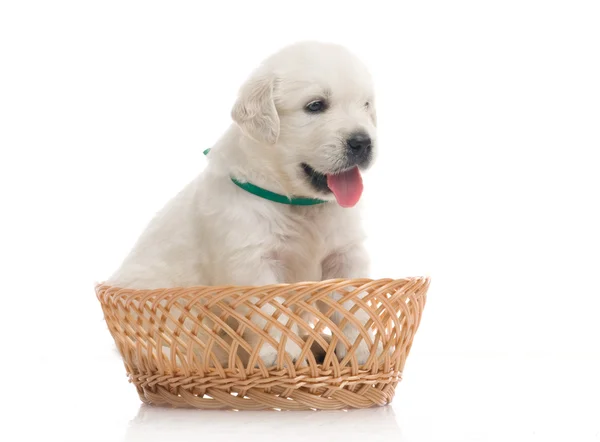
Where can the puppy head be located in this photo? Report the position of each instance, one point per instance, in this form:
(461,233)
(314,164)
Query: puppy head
(313,105)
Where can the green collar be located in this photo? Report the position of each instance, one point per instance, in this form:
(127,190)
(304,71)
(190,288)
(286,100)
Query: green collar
(272,196)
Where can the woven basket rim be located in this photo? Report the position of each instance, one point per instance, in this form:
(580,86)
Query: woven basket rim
(104,285)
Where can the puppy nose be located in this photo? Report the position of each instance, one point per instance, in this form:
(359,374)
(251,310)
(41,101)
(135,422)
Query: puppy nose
(359,142)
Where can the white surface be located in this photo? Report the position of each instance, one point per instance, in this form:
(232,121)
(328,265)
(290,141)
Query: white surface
(444,397)
(487,180)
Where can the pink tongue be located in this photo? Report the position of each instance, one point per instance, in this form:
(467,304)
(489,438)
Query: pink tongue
(346,186)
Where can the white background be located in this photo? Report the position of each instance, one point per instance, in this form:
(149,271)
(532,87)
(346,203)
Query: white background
(487,180)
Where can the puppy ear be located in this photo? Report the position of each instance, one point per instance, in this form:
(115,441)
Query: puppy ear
(254,111)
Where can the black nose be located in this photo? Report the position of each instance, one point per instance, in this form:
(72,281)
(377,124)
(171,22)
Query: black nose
(359,142)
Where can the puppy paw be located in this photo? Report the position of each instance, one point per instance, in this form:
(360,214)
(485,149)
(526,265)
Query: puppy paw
(293,350)
(363,350)
(269,354)
(340,351)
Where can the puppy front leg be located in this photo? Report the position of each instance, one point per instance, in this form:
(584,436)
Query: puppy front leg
(261,273)
(349,263)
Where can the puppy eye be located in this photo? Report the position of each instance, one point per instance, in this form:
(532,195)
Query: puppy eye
(367,104)
(316,106)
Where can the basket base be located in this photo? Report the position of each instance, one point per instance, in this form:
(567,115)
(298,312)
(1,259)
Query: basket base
(275,398)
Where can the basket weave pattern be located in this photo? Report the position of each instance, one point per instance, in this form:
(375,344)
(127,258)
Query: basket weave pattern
(201,346)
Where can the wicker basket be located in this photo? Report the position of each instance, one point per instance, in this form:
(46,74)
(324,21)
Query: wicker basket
(191,347)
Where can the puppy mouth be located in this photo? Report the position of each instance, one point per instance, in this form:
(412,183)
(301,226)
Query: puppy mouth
(346,185)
